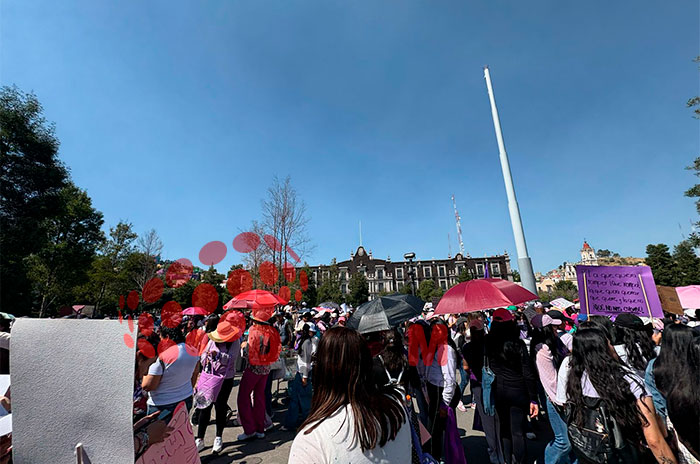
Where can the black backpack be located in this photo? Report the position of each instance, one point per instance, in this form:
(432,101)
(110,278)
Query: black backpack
(599,439)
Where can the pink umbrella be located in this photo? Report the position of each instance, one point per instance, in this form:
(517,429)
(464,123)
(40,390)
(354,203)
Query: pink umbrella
(236,304)
(479,294)
(195,311)
(689,296)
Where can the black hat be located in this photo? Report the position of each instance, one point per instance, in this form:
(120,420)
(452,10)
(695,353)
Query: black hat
(629,321)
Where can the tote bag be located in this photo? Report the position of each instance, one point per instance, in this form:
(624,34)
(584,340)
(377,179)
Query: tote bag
(487,379)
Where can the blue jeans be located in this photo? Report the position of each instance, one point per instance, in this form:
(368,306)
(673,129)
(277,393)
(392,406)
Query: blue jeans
(166,410)
(558,451)
(299,402)
(464,381)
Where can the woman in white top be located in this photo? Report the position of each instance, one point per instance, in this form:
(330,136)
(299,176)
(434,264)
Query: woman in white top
(351,419)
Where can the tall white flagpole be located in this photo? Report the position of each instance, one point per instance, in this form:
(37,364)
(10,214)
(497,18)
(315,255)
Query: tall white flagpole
(527,276)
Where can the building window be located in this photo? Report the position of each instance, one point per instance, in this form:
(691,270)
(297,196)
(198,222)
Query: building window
(427,272)
(480,269)
(495,269)
(325,275)
(380,287)
(441,271)
(344,289)
(460,268)
(380,273)
(399,273)
(443,284)
(343,275)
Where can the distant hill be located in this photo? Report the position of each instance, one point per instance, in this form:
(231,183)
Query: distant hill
(620,261)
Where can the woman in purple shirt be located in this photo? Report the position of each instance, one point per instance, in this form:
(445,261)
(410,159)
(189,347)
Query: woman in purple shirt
(219,359)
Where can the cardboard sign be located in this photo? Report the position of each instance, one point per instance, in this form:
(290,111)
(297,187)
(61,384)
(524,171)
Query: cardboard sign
(179,447)
(613,290)
(72,382)
(669,300)
(561,303)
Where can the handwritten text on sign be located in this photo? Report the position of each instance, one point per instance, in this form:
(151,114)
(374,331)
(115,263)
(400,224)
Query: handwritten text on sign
(179,447)
(611,290)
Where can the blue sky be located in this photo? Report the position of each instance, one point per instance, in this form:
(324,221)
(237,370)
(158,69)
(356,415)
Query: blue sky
(176,116)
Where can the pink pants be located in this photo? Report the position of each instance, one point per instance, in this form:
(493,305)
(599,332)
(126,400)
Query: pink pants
(251,413)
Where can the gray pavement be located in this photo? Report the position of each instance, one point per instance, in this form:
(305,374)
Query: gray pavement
(274,448)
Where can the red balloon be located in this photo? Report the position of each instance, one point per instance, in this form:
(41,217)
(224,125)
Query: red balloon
(171,314)
(179,273)
(268,273)
(196,342)
(289,272)
(246,242)
(239,281)
(145,348)
(205,296)
(168,351)
(273,243)
(231,325)
(153,290)
(212,253)
(146,325)
(285,294)
(304,280)
(132,300)
(264,345)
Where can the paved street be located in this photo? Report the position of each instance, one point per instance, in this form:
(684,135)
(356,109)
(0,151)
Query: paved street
(274,448)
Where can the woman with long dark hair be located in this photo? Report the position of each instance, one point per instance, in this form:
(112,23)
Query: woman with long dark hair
(351,419)
(662,372)
(391,365)
(515,393)
(633,343)
(473,353)
(683,400)
(594,371)
(547,352)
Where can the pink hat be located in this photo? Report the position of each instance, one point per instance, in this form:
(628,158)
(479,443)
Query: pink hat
(476,324)
(502,315)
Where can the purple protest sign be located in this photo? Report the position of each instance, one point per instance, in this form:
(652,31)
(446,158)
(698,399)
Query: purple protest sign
(613,290)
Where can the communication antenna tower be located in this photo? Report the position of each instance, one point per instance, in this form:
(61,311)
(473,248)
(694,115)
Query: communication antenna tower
(459,226)
(449,246)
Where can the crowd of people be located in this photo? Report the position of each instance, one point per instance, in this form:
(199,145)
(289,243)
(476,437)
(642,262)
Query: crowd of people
(620,390)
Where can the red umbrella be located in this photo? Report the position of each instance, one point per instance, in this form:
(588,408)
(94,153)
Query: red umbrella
(195,311)
(479,294)
(233,304)
(256,299)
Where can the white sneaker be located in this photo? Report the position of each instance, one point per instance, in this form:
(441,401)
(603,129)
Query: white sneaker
(200,444)
(245,436)
(260,435)
(218,445)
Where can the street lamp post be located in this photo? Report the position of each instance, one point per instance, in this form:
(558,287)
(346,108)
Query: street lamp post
(527,276)
(410,256)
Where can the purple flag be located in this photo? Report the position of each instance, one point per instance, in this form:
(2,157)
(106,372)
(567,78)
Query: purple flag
(613,290)
(486,271)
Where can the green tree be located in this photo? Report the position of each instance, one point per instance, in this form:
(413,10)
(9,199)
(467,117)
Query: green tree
(516,275)
(465,275)
(694,191)
(662,265)
(72,238)
(604,253)
(405,289)
(561,289)
(329,290)
(426,289)
(215,278)
(31,180)
(358,289)
(310,295)
(108,277)
(687,264)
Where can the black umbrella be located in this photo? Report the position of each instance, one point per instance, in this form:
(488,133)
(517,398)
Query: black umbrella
(329,305)
(385,312)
